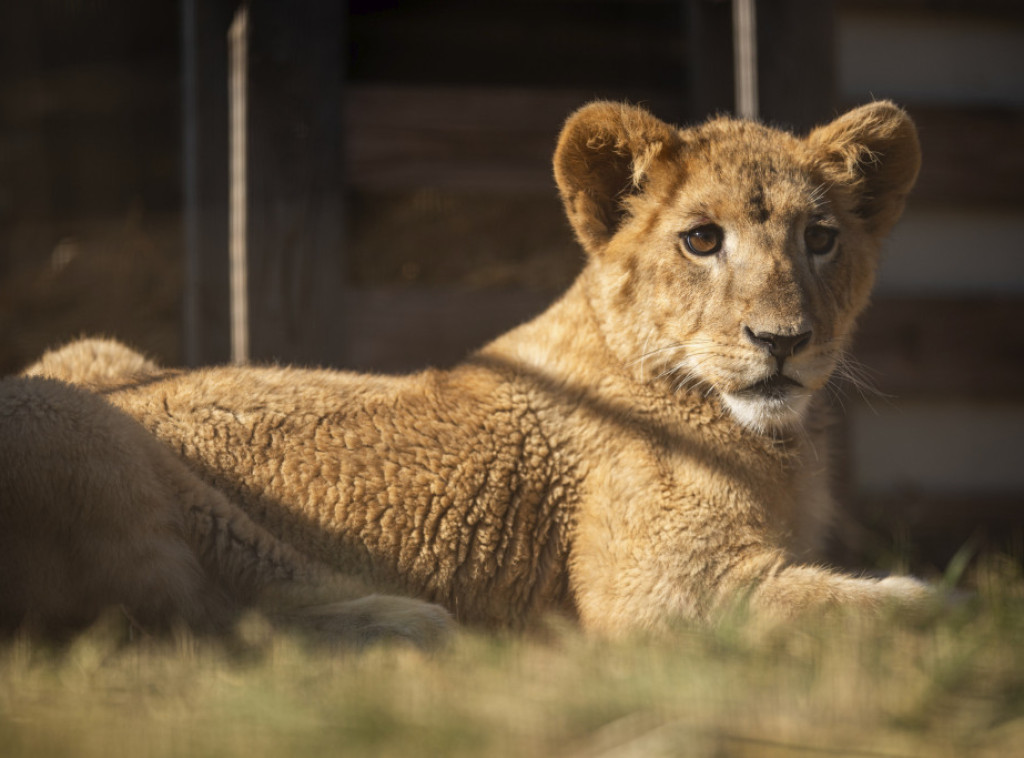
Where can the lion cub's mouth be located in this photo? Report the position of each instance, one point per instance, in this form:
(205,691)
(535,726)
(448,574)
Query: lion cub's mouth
(775,387)
(777,402)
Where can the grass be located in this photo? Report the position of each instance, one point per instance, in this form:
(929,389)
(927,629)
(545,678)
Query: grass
(952,685)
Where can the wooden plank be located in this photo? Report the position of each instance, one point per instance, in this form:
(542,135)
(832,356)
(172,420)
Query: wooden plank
(931,346)
(796,62)
(238,184)
(589,44)
(452,138)
(295,182)
(997,9)
(399,330)
(486,138)
(709,59)
(745,58)
(502,139)
(971,156)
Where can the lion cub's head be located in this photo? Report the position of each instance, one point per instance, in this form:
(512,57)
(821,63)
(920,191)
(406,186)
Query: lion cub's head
(731,258)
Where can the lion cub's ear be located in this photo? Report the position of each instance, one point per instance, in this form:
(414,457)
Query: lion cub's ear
(873,150)
(604,155)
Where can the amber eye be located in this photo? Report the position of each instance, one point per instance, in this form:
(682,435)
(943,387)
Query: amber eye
(704,240)
(820,240)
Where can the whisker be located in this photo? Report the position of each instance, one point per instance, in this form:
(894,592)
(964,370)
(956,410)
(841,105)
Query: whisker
(647,341)
(689,347)
(687,362)
(836,393)
(860,377)
(806,436)
(852,373)
(648,353)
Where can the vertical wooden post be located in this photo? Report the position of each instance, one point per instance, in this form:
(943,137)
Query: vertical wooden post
(204,26)
(797,62)
(286,182)
(793,82)
(189,183)
(238,216)
(294,179)
(709,59)
(744,45)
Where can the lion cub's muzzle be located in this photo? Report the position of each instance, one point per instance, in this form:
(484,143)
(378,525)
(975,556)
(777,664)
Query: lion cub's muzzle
(779,346)
(777,399)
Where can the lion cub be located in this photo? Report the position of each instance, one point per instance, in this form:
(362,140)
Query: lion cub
(649,449)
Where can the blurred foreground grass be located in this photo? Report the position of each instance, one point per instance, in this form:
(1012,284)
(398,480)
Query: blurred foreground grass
(946,686)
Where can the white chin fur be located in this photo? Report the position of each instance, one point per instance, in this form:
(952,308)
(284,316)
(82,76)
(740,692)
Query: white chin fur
(768,414)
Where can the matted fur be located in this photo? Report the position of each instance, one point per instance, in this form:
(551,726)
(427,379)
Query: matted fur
(633,456)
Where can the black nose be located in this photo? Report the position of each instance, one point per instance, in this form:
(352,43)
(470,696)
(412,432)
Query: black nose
(779,345)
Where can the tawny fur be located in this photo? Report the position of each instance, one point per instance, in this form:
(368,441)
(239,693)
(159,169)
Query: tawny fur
(612,460)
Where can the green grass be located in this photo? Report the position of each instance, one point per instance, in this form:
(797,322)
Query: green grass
(952,685)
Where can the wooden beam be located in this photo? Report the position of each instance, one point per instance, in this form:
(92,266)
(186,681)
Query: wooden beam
(745,58)
(709,58)
(204,174)
(398,137)
(238,184)
(995,9)
(295,182)
(795,66)
(796,62)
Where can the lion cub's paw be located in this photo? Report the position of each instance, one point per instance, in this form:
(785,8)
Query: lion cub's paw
(907,588)
(377,618)
(909,595)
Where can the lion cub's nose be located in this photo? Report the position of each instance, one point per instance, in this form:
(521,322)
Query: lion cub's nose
(779,345)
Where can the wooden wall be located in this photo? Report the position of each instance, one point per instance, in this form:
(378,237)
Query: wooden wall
(937,465)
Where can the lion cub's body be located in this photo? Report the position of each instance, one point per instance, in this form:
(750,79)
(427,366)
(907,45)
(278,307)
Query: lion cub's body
(646,450)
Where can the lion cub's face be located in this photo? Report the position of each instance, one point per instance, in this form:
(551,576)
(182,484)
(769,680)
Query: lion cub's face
(733,259)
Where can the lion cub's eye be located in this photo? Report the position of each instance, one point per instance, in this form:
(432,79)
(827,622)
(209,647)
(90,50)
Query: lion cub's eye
(704,240)
(820,240)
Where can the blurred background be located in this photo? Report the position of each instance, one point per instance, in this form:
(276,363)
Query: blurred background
(392,186)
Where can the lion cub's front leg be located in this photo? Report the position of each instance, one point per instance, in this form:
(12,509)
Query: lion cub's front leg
(619,595)
(648,559)
(797,589)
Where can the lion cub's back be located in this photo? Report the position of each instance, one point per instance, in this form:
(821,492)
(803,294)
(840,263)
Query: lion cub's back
(439,483)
